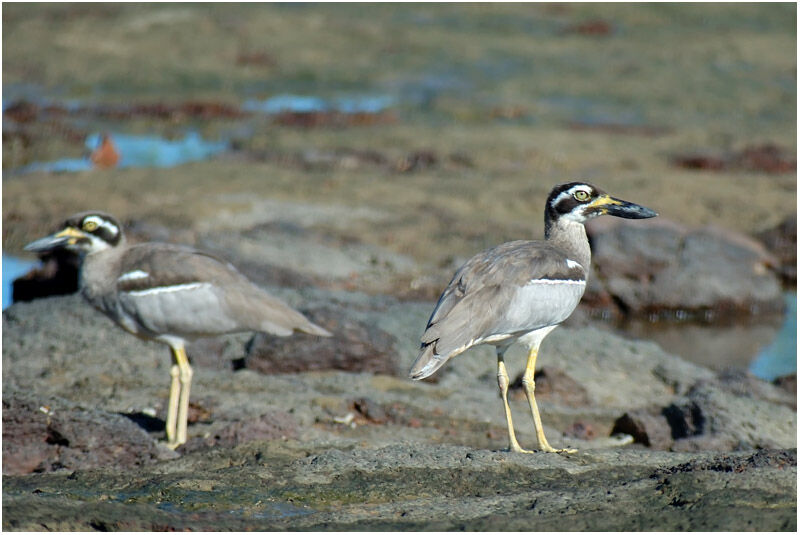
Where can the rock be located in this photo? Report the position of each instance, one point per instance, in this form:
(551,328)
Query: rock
(647,427)
(744,383)
(370,410)
(593,27)
(43,434)
(270,426)
(377,451)
(718,415)
(766,158)
(788,383)
(553,384)
(581,430)
(732,422)
(659,267)
(417,487)
(781,241)
(354,346)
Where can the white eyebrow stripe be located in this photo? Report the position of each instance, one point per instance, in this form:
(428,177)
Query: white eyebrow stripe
(573,264)
(563,195)
(133,275)
(568,194)
(168,289)
(105,224)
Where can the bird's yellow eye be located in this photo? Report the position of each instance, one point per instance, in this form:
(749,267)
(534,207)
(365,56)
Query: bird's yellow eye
(581,195)
(89,226)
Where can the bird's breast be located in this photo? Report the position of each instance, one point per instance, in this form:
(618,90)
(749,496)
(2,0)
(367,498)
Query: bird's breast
(543,302)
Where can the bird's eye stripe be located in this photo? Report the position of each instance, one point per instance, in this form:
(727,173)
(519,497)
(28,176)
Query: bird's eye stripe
(91,223)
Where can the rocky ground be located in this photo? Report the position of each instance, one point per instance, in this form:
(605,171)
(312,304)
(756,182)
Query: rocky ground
(349,443)
(359,219)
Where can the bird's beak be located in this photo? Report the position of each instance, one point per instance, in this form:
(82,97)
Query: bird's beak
(605,204)
(59,240)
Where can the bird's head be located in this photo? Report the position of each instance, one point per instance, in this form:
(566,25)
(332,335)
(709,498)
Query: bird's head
(84,233)
(580,202)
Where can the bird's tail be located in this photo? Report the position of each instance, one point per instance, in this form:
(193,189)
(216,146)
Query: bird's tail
(313,328)
(427,362)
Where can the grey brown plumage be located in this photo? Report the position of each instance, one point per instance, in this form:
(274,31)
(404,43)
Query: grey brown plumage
(169,293)
(210,298)
(520,291)
(478,304)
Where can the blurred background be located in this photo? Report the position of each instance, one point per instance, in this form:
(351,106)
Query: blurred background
(374,148)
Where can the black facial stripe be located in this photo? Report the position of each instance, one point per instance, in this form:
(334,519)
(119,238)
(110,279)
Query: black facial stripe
(566,205)
(106,235)
(103,232)
(561,202)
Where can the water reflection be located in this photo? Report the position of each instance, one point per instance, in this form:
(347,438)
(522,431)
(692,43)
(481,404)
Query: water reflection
(712,346)
(767,349)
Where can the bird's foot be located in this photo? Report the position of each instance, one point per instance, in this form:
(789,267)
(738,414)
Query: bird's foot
(172,444)
(550,449)
(518,449)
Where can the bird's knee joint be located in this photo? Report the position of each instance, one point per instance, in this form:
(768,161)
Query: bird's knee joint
(502,380)
(186,374)
(175,372)
(529,383)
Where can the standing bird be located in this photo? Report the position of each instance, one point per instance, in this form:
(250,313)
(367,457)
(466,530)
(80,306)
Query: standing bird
(520,291)
(169,293)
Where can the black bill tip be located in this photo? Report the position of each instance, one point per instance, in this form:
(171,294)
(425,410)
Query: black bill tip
(47,244)
(629,210)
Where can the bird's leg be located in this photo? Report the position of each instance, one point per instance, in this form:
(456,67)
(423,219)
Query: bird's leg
(530,386)
(502,382)
(172,408)
(185,378)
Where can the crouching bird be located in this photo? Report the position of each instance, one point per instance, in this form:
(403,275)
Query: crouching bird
(169,293)
(520,291)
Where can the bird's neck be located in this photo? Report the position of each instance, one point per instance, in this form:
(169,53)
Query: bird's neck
(569,237)
(98,269)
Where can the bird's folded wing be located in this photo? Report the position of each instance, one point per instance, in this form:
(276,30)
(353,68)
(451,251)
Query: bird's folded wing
(508,290)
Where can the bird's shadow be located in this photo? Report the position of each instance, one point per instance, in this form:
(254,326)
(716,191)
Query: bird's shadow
(145,421)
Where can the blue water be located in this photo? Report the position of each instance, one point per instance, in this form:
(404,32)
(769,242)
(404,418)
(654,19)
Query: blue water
(13,267)
(780,357)
(308,104)
(138,151)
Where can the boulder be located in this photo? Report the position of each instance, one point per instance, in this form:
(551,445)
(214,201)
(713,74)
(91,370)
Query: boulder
(45,433)
(781,241)
(355,346)
(660,268)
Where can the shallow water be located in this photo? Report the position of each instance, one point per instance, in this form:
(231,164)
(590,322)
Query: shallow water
(780,357)
(308,104)
(13,267)
(138,151)
(767,348)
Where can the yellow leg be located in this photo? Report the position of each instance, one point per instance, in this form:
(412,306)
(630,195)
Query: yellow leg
(172,408)
(502,382)
(185,378)
(530,387)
